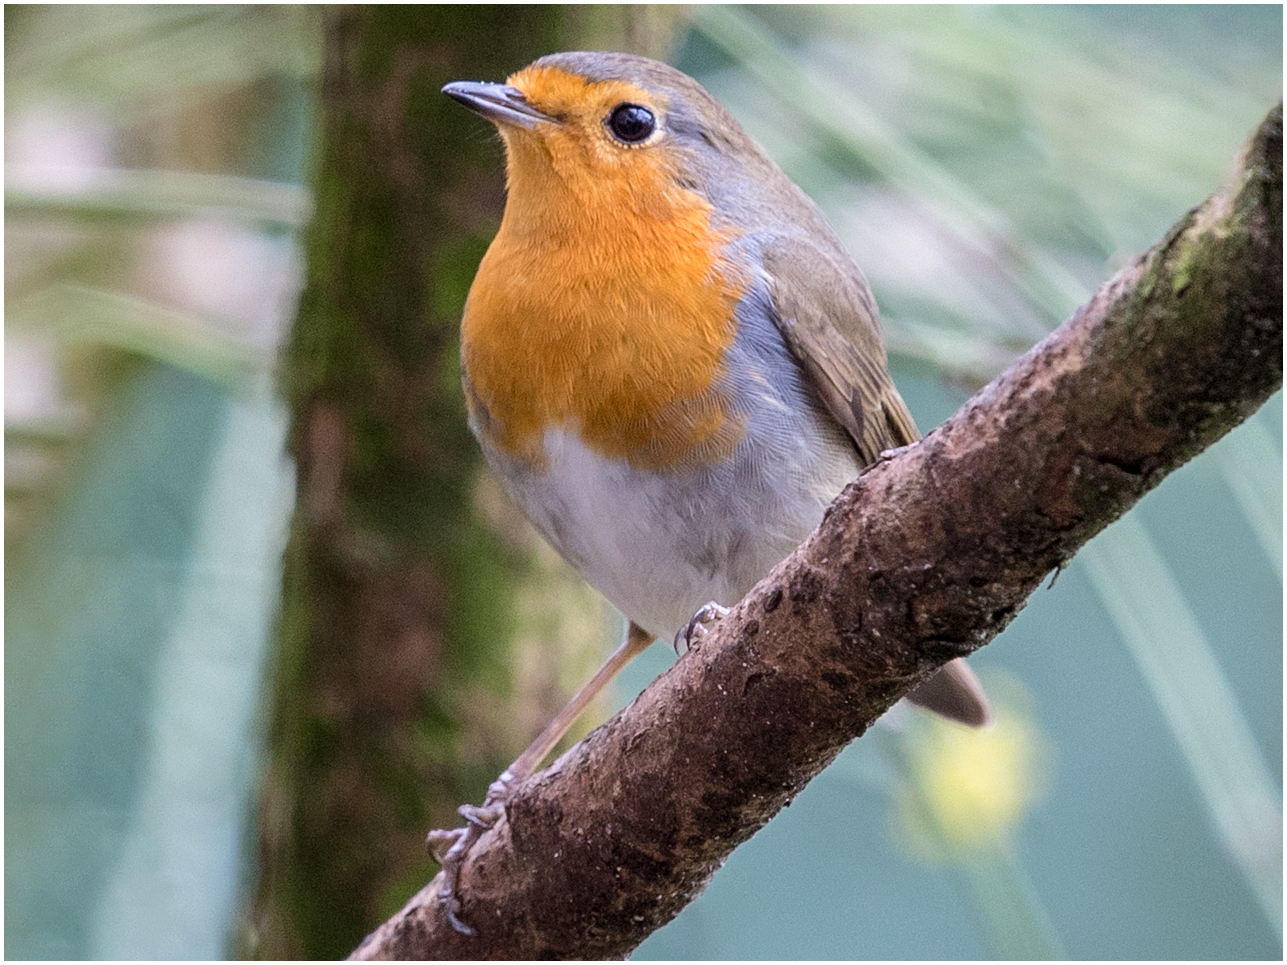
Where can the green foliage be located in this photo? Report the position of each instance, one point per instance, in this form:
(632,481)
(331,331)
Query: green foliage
(145,486)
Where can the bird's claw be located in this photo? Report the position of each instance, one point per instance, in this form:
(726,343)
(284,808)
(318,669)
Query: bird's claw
(450,846)
(706,616)
(481,817)
(441,841)
(451,908)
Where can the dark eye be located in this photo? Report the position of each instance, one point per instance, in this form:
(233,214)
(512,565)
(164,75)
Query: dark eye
(630,123)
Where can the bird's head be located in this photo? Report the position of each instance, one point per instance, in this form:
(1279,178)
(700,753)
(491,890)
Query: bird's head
(600,125)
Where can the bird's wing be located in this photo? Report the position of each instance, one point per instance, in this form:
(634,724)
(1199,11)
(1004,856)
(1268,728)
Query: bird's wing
(828,318)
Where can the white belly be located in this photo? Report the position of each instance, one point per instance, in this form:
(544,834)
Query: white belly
(659,546)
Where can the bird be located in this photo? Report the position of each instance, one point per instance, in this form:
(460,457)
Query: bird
(669,360)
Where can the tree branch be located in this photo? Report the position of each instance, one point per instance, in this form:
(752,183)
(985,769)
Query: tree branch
(926,556)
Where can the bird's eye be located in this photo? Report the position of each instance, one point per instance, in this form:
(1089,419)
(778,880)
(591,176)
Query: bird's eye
(630,123)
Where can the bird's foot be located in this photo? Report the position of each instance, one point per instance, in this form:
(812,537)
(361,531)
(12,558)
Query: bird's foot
(706,616)
(451,846)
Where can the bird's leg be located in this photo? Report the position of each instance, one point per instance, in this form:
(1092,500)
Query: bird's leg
(706,616)
(449,847)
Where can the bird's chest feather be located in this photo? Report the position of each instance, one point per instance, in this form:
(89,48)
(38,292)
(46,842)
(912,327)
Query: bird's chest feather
(612,324)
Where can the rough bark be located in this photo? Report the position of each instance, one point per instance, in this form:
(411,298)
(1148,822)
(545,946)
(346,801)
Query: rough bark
(925,557)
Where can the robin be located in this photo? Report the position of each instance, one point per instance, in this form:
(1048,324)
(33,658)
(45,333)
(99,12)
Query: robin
(670,361)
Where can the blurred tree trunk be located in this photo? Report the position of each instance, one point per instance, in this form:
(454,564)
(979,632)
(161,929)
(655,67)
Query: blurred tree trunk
(411,589)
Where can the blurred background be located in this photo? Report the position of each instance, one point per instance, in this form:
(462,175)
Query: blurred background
(267,622)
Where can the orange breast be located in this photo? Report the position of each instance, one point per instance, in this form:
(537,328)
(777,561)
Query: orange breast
(604,307)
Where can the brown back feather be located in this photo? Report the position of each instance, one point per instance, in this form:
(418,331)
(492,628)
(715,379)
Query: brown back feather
(828,319)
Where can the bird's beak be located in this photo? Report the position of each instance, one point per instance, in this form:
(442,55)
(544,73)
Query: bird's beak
(499,103)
